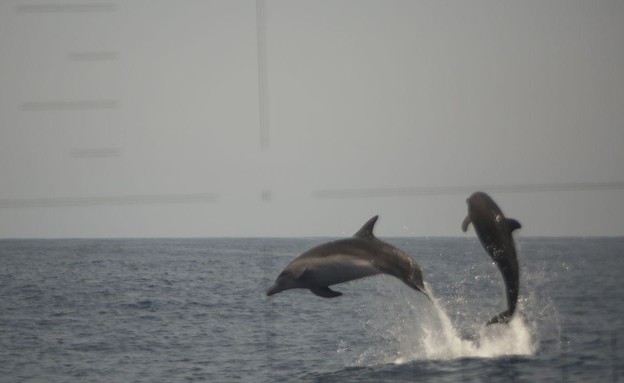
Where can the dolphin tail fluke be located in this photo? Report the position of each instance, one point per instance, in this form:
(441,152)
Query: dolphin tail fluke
(427,295)
(425,290)
(502,318)
(417,284)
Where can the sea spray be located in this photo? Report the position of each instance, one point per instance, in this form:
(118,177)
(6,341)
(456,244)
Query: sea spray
(441,340)
(513,338)
(424,331)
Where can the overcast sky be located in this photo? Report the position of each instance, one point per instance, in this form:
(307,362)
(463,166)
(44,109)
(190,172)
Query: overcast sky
(306,118)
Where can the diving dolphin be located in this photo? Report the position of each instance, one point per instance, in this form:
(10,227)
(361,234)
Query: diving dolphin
(494,232)
(344,260)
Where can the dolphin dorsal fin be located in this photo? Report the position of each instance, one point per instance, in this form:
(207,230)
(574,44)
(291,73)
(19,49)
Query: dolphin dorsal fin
(367,230)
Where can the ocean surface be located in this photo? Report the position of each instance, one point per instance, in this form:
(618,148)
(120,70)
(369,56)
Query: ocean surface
(176,310)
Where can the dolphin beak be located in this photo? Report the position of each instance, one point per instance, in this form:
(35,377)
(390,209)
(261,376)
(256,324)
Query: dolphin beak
(273,290)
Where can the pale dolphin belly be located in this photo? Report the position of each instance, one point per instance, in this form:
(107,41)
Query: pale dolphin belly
(338,268)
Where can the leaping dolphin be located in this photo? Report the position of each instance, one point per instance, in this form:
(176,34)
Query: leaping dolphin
(344,260)
(494,232)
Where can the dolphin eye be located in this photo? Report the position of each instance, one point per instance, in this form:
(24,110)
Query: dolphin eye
(499,218)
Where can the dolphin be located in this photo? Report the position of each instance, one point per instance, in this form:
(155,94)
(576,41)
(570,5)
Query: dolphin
(494,232)
(344,260)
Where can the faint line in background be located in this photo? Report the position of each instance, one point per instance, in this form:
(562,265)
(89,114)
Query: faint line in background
(120,200)
(35,106)
(66,7)
(96,153)
(454,190)
(263,92)
(92,56)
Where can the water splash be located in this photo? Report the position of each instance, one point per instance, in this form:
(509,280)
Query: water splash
(434,337)
(442,341)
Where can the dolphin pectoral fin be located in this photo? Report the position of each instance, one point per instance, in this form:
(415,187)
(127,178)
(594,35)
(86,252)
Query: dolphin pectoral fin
(465,223)
(502,318)
(513,224)
(325,292)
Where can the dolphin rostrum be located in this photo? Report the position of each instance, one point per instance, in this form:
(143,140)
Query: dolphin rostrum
(344,260)
(494,232)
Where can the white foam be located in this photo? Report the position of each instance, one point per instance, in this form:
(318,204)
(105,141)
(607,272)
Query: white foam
(433,336)
(438,339)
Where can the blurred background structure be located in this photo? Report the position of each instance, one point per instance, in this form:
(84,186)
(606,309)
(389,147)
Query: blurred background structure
(305,118)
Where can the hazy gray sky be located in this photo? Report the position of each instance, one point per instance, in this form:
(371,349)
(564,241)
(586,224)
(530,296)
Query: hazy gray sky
(305,118)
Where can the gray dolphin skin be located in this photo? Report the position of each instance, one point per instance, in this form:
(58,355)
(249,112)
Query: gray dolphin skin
(344,260)
(494,232)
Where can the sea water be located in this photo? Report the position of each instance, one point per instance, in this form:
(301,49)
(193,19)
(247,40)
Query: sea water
(170,310)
